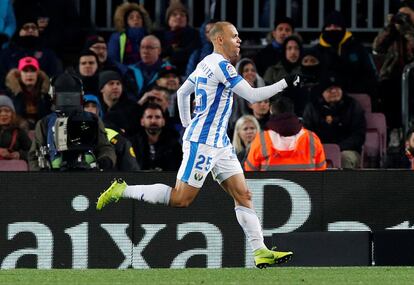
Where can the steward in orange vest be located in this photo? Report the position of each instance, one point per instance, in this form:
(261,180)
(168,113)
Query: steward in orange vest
(285,144)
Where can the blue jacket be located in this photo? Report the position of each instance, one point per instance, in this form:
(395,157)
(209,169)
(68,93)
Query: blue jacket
(7,18)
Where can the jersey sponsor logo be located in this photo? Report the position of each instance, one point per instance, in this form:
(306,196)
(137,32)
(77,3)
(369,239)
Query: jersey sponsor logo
(231,70)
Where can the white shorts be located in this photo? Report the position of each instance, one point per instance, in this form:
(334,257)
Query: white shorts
(200,159)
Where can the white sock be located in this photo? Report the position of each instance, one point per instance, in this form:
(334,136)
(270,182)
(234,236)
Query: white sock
(153,194)
(250,224)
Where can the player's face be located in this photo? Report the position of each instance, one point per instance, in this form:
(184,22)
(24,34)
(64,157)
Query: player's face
(247,132)
(231,42)
(282,31)
(292,51)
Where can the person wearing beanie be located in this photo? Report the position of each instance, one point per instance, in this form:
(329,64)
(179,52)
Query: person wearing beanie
(97,44)
(28,86)
(272,53)
(393,49)
(24,43)
(132,24)
(341,53)
(14,141)
(337,118)
(285,144)
(178,39)
(115,100)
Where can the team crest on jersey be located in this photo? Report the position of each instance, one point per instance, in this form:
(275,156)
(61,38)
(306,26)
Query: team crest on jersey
(231,70)
(198,176)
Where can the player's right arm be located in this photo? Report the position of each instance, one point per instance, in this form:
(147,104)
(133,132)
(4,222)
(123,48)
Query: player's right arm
(183,100)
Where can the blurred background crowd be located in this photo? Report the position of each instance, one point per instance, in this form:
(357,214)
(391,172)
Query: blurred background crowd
(348,108)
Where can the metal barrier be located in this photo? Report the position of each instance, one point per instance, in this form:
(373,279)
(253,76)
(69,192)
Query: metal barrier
(257,15)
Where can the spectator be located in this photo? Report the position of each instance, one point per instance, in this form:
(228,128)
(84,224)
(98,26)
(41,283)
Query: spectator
(14,141)
(169,78)
(59,22)
(156,147)
(98,45)
(271,54)
(88,71)
(132,24)
(178,40)
(247,69)
(7,22)
(393,49)
(285,144)
(310,68)
(125,156)
(144,73)
(205,49)
(28,86)
(337,118)
(402,156)
(343,55)
(261,111)
(114,100)
(244,132)
(26,43)
(82,144)
(289,63)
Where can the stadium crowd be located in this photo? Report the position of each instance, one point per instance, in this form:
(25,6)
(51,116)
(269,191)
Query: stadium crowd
(130,80)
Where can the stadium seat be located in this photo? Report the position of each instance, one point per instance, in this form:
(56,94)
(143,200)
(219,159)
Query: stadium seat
(375,146)
(333,155)
(13,165)
(364,100)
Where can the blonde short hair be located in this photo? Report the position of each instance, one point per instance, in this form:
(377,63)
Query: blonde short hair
(237,142)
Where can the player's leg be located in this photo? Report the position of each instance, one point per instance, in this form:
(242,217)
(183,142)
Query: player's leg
(246,216)
(187,187)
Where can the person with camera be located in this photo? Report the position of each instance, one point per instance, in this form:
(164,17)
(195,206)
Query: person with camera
(70,138)
(393,48)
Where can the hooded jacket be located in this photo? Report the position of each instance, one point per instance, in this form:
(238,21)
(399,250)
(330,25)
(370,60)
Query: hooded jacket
(41,103)
(123,45)
(285,145)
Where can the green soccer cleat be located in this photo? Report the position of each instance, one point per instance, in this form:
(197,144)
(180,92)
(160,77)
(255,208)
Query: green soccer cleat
(264,257)
(112,194)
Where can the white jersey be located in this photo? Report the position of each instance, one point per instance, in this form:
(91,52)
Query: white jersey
(213,79)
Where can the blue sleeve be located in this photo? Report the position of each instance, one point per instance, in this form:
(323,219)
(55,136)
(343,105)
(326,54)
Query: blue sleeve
(113,47)
(230,73)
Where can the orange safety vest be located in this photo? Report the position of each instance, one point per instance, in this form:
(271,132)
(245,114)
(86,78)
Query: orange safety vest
(307,154)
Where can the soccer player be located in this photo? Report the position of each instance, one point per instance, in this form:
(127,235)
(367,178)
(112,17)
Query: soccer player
(206,146)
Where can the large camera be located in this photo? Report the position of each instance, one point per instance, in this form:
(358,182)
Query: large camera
(72,133)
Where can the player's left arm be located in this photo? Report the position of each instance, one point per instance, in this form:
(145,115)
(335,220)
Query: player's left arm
(242,88)
(183,100)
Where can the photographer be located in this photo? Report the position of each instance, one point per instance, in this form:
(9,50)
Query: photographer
(393,48)
(70,138)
